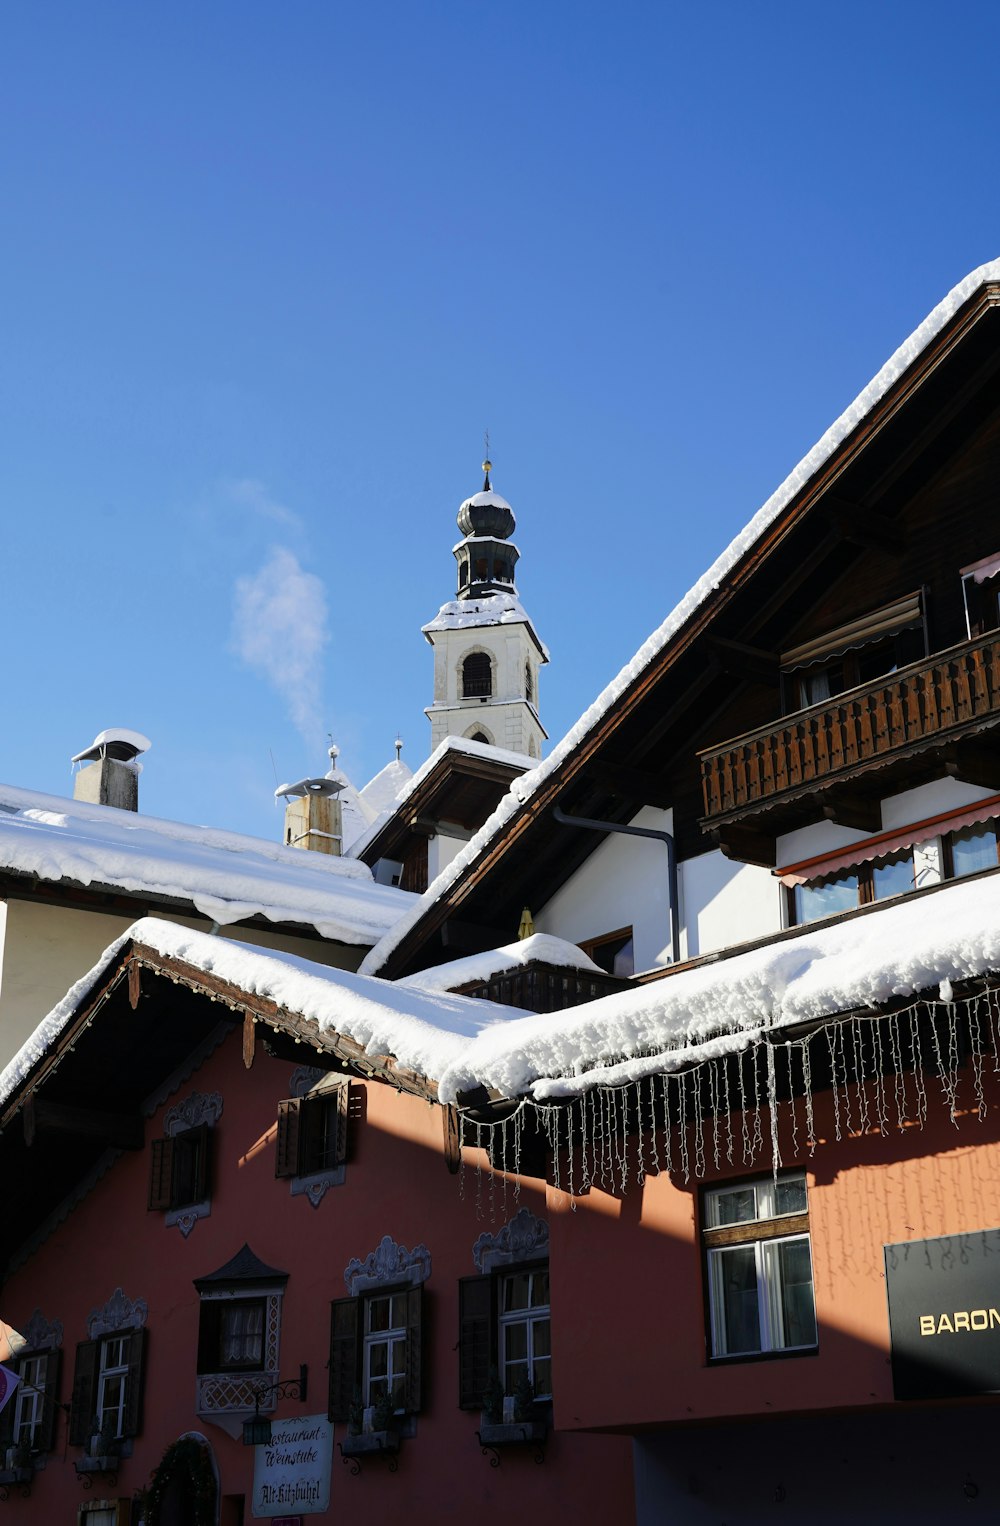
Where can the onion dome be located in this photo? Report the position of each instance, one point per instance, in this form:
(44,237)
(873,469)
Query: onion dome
(486,513)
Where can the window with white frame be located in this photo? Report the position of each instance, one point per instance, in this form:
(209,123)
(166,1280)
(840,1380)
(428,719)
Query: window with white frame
(108,1376)
(112,1384)
(385,1339)
(759,1264)
(525,1332)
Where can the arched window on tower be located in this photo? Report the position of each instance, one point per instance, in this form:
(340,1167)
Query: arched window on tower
(477,676)
(480,736)
(529,686)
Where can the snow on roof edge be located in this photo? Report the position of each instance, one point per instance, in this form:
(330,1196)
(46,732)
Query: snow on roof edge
(522,789)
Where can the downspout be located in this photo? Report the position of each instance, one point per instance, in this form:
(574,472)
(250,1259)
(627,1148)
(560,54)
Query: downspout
(665,837)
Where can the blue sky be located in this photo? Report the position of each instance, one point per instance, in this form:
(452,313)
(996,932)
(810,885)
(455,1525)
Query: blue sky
(269,271)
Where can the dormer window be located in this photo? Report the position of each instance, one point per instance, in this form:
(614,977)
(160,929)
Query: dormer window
(477,676)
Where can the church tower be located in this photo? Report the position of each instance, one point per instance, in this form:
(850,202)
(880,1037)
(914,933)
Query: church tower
(487,655)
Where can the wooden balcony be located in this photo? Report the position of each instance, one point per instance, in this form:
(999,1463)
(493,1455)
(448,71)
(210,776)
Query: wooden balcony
(539,987)
(837,758)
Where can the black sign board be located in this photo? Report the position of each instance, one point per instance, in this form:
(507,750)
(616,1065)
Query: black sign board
(944,1315)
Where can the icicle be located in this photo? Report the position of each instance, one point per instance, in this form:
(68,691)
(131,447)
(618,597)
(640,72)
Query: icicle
(807,1090)
(640,1174)
(518,1134)
(607,1163)
(841,1031)
(944,1073)
(953,1055)
(479,1171)
(668,1133)
(625,1137)
(683,1127)
(860,1077)
(993,1018)
(831,1044)
(584,1174)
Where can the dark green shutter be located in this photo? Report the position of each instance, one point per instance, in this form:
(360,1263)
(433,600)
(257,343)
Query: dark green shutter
(345,1356)
(413,1383)
(201,1142)
(82,1407)
(45,1432)
(286,1155)
(476,1339)
(134,1382)
(161,1174)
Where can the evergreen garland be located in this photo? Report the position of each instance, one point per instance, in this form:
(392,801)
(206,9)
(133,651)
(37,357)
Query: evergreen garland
(186,1461)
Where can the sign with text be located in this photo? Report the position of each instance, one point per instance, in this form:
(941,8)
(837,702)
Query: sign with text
(292,1472)
(944,1315)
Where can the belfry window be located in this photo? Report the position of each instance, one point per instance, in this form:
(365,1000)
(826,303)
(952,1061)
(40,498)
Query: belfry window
(477,676)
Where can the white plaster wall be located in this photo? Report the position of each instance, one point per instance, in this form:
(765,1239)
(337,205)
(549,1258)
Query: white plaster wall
(623,883)
(722,903)
(898,811)
(46,949)
(440,852)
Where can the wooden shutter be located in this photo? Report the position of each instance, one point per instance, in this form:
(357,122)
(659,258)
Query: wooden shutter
(161,1174)
(81,1415)
(413,1382)
(343,1103)
(7,1419)
(45,1433)
(286,1155)
(345,1356)
(134,1383)
(200,1141)
(476,1339)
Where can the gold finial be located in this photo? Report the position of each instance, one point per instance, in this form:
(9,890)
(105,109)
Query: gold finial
(487,463)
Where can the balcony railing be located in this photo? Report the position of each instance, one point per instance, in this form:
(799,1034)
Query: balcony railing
(545,988)
(936,700)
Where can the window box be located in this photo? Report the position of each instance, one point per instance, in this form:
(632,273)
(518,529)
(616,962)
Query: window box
(367,1442)
(513,1433)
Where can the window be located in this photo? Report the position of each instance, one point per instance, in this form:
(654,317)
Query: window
(107,1387)
(231,1335)
(614,952)
(529,683)
(970,850)
(179,1169)
(759,1263)
(981,593)
(312,1132)
(504,1326)
(375,1347)
(104,1512)
(525,1338)
(856,653)
(477,676)
(29,1420)
(480,736)
(874,880)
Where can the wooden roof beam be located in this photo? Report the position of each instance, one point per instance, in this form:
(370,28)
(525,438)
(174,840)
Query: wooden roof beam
(121,1131)
(742,661)
(634,784)
(864,527)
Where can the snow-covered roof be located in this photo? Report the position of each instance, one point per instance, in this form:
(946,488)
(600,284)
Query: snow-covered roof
(381,793)
(224,875)
(543,947)
(493,609)
(424,1032)
(522,789)
(487,500)
(891,950)
(414,781)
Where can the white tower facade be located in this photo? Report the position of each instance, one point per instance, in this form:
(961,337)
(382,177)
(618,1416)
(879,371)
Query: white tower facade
(487,654)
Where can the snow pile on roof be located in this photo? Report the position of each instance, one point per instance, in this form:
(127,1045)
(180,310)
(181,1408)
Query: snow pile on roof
(807,468)
(542,947)
(493,609)
(487,499)
(426,1033)
(224,875)
(914,945)
(449,744)
(381,793)
(896,950)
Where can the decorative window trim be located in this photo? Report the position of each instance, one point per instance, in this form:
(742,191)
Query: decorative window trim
(309,1082)
(522,1238)
(226,1397)
(388,1265)
(119,1313)
(41,1334)
(522,1243)
(120,1316)
(200,1108)
(197,1113)
(40,1338)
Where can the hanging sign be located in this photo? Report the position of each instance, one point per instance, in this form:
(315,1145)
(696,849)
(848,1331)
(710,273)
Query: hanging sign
(944,1315)
(9,1380)
(292,1472)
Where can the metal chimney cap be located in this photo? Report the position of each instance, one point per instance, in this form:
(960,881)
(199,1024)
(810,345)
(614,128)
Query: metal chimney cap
(118,743)
(322,786)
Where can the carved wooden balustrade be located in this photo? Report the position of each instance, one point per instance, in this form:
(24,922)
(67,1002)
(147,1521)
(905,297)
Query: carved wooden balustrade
(940,699)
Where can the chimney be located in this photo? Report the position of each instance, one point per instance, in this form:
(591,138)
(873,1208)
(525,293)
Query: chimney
(110,775)
(313,815)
